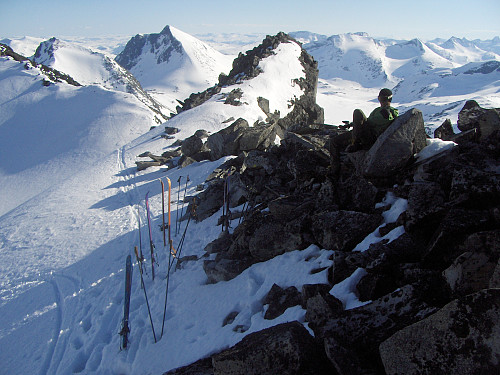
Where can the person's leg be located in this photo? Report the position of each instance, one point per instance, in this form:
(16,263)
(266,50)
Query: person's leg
(358,130)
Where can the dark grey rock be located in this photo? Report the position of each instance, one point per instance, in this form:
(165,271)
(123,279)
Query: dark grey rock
(474,269)
(225,141)
(343,230)
(272,239)
(359,332)
(225,269)
(191,145)
(444,131)
(322,307)
(201,367)
(259,137)
(463,337)
(279,300)
(284,349)
(485,121)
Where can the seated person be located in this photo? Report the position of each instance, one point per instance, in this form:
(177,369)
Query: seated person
(366,130)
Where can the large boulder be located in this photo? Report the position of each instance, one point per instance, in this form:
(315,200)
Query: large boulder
(343,230)
(259,137)
(352,339)
(474,269)
(284,349)
(485,121)
(272,239)
(224,142)
(461,338)
(191,146)
(396,146)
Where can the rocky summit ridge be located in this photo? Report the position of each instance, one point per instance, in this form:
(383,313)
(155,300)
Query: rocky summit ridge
(429,283)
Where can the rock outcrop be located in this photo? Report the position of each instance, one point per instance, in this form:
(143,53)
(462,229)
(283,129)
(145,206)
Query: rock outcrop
(240,136)
(430,288)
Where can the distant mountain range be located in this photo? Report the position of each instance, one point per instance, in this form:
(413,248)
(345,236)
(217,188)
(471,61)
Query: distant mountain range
(166,67)
(363,59)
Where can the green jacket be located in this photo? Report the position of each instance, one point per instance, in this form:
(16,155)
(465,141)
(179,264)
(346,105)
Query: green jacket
(381,118)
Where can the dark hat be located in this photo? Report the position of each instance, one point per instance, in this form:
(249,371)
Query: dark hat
(385,94)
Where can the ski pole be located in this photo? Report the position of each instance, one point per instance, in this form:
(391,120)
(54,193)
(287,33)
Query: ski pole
(177,212)
(163,211)
(139,261)
(151,244)
(140,236)
(184,198)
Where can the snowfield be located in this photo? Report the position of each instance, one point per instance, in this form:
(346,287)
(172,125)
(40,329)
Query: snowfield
(71,195)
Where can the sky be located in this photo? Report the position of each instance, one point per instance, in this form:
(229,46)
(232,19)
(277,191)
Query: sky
(424,19)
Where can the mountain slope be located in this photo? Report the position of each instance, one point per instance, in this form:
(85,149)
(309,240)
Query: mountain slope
(46,130)
(93,68)
(172,64)
(354,57)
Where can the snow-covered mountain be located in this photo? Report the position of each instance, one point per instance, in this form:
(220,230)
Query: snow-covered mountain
(354,57)
(70,191)
(94,68)
(354,66)
(25,46)
(172,64)
(462,51)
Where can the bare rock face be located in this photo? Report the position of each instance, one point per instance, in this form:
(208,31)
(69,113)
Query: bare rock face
(461,338)
(284,349)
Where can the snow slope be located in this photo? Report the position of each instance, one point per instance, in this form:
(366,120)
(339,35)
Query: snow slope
(93,68)
(64,250)
(48,132)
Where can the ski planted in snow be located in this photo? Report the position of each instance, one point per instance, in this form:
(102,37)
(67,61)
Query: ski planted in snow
(170,242)
(144,288)
(177,212)
(163,211)
(126,307)
(151,244)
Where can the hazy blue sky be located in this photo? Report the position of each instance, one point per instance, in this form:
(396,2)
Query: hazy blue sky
(425,19)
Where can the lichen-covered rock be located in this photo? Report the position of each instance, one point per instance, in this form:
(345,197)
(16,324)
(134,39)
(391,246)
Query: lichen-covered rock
(474,269)
(461,338)
(358,332)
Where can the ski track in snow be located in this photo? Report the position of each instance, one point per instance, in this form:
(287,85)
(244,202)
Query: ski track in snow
(57,329)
